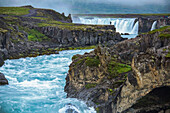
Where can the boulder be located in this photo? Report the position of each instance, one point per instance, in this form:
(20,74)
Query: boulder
(3,80)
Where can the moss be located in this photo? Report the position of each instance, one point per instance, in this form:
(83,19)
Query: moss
(3,30)
(79,62)
(14,11)
(168,55)
(97,109)
(164,49)
(116,68)
(90,85)
(74,57)
(92,62)
(111,91)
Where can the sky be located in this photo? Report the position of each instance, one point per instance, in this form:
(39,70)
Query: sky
(96,6)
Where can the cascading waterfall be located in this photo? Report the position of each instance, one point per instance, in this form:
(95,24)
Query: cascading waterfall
(154,25)
(135,28)
(123,25)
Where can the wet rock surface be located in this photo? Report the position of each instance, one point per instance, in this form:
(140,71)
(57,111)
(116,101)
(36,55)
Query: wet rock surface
(3,80)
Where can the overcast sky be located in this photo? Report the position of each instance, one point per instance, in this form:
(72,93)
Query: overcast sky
(74,6)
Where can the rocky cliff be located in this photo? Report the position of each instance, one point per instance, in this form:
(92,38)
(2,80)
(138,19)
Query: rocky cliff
(131,76)
(145,24)
(44,31)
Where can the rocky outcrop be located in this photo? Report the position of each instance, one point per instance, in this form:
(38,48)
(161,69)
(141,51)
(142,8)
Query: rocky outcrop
(79,37)
(145,24)
(120,78)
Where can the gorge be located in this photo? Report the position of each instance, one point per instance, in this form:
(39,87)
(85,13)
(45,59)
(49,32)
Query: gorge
(112,75)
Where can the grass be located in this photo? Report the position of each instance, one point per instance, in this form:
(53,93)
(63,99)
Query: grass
(168,55)
(159,30)
(34,35)
(116,68)
(14,11)
(92,62)
(164,35)
(68,26)
(90,85)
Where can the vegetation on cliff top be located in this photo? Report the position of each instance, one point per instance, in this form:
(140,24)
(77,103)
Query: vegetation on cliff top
(159,30)
(14,11)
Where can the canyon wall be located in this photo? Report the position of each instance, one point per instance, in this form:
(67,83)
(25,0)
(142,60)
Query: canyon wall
(124,77)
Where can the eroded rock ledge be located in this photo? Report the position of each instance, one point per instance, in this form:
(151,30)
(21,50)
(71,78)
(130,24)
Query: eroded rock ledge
(120,78)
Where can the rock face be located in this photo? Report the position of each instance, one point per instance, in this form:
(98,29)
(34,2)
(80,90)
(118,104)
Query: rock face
(87,37)
(125,77)
(3,80)
(145,24)
(45,31)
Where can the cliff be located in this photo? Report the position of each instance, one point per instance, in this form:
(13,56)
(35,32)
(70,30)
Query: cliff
(131,76)
(145,24)
(29,32)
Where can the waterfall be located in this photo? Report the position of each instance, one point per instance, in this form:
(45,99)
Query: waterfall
(154,25)
(123,25)
(135,28)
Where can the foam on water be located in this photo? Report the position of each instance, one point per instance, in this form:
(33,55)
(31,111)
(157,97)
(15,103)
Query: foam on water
(36,85)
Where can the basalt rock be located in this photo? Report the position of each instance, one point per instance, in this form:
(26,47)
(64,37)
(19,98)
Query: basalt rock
(145,24)
(3,80)
(124,77)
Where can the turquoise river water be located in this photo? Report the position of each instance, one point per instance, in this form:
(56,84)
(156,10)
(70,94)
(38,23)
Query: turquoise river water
(36,85)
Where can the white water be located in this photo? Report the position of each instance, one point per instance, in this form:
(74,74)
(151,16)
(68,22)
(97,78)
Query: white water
(154,25)
(123,25)
(36,85)
(135,28)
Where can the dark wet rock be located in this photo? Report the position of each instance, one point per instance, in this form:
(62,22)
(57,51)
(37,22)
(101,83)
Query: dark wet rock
(3,80)
(125,34)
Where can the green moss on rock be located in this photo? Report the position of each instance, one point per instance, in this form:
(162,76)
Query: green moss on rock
(92,62)
(90,85)
(116,68)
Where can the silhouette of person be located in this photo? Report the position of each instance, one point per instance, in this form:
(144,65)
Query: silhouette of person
(110,23)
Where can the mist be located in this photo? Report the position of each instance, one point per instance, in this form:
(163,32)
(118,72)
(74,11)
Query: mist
(96,6)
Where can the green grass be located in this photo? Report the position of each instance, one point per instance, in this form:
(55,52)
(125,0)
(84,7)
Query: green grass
(168,55)
(14,11)
(42,18)
(164,35)
(61,25)
(34,35)
(159,30)
(115,68)
(92,62)
(90,85)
